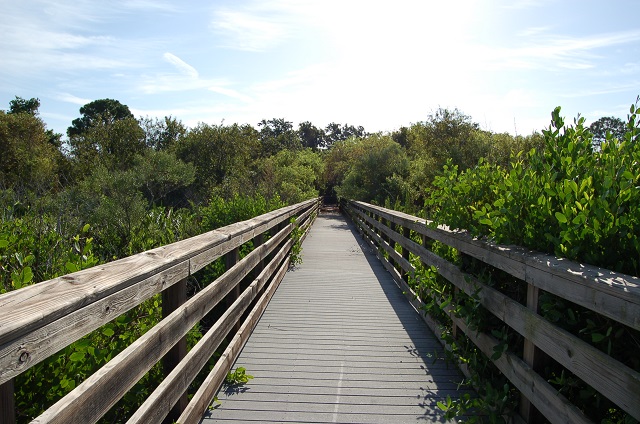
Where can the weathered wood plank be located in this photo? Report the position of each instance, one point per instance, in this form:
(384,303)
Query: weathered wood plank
(611,378)
(172,299)
(28,350)
(7,403)
(611,294)
(45,302)
(330,328)
(157,406)
(205,394)
(91,399)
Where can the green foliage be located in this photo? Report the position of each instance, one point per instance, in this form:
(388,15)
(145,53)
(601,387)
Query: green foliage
(604,125)
(28,161)
(292,175)
(238,377)
(160,173)
(113,144)
(375,169)
(20,105)
(32,250)
(566,199)
(277,135)
(103,112)
(162,134)
(296,248)
(222,157)
(220,212)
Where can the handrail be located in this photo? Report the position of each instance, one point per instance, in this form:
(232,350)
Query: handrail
(611,294)
(41,319)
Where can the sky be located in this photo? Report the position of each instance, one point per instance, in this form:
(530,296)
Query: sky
(379,64)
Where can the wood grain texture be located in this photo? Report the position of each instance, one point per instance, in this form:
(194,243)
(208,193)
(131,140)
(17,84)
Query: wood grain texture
(611,378)
(7,403)
(612,294)
(41,303)
(18,355)
(91,399)
(338,341)
(157,406)
(204,396)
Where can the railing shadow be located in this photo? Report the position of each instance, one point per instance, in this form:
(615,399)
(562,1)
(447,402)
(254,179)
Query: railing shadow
(443,375)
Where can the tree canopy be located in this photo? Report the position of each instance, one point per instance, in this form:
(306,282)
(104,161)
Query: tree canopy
(103,111)
(604,125)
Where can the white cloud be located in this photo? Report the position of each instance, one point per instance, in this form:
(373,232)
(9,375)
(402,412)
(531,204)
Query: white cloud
(231,93)
(248,31)
(181,65)
(70,98)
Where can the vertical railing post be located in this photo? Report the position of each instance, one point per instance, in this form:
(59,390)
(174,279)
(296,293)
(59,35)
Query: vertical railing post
(230,259)
(392,243)
(172,298)
(7,403)
(406,233)
(532,357)
(257,242)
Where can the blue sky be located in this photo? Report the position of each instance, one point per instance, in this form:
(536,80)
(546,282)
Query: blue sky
(380,64)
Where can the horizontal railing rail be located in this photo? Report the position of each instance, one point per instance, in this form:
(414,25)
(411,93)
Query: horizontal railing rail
(39,320)
(611,294)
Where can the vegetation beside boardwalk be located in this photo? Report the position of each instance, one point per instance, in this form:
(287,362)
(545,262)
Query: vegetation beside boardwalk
(117,185)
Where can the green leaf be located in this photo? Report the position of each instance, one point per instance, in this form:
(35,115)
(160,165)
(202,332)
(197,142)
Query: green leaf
(108,332)
(560,217)
(486,221)
(442,406)
(597,337)
(77,357)
(71,267)
(27,275)
(4,243)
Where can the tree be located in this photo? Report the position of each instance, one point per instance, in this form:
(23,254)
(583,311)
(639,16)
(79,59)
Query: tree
(606,124)
(221,155)
(159,173)
(114,144)
(310,135)
(31,106)
(27,159)
(277,134)
(291,175)
(103,111)
(377,168)
(336,132)
(20,105)
(162,134)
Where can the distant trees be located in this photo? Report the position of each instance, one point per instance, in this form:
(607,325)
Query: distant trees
(370,169)
(277,134)
(604,125)
(27,160)
(221,155)
(29,155)
(103,111)
(20,105)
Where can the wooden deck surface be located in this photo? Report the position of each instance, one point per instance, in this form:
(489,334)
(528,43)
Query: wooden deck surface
(338,343)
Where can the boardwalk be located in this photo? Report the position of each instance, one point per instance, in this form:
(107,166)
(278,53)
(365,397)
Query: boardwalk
(338,343)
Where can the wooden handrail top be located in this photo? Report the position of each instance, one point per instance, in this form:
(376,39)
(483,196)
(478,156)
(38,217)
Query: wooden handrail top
(610,293)
(35,306)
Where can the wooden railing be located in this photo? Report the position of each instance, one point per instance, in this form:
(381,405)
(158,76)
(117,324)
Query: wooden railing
(611,294)
(39,320)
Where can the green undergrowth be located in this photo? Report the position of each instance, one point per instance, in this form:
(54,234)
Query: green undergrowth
(36,245)
(568,200)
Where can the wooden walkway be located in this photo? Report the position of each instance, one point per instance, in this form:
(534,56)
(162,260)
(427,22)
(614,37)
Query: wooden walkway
(339,343)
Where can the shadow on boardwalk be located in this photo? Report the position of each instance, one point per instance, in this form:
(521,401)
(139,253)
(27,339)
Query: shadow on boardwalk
(339,343)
